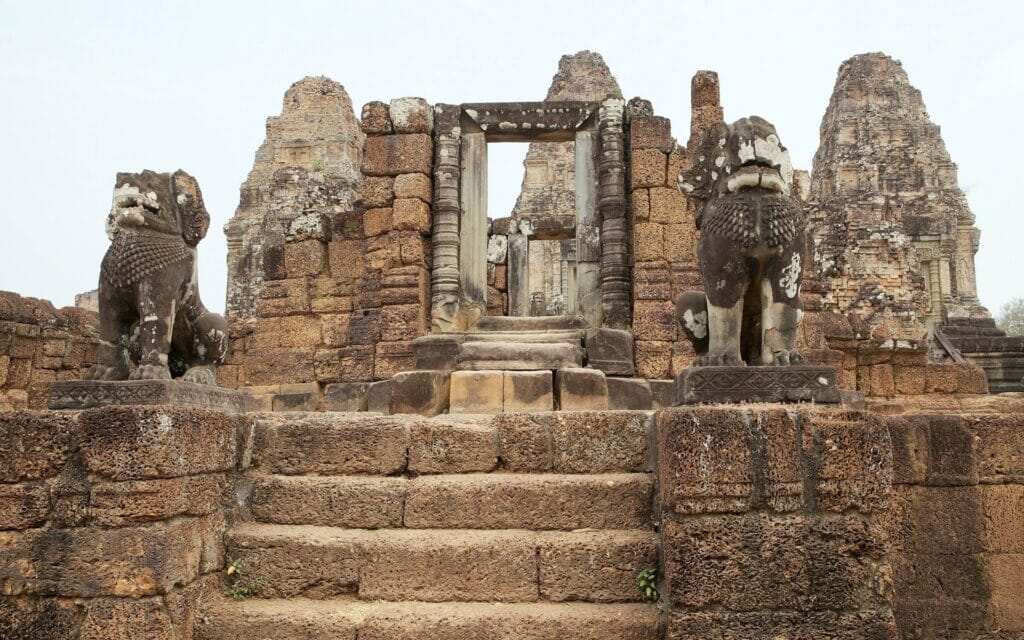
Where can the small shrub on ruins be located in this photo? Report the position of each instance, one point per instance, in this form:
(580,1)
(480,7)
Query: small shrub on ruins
(240,584)
(648,582)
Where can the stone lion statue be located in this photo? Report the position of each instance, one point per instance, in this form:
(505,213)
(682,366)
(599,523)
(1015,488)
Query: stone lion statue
(151,318)
(751,248)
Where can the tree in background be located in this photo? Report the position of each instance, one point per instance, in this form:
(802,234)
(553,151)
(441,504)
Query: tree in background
(1011,317)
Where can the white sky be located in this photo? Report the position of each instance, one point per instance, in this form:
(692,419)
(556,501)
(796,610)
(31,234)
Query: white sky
(89,89)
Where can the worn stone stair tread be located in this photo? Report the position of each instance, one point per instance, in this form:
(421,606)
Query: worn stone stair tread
(305,619)
(527,323)
(471,501)
(520,356)
(530,337)
(443,565)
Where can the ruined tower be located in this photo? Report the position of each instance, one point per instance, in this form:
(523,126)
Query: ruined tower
(893,236)
(316,131)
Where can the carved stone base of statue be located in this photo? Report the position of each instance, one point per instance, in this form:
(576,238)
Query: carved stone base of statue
(85,394)
(795,383)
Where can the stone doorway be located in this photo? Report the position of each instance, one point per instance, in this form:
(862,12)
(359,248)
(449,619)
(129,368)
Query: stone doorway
(595,275)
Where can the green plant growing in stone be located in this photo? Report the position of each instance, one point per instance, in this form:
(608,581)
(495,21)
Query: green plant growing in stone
(318,166)
(241,585)
(648,582)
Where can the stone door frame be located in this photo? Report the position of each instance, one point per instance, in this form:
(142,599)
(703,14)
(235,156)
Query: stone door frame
(459,240)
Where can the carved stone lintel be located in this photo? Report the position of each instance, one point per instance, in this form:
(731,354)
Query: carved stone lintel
(795,383)
(85,394)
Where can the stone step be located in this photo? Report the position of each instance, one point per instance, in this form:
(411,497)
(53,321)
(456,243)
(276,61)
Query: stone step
(335,444)
(530,337)
(302,619)
(447,565)
(466,501)
(529,323)
(518,356)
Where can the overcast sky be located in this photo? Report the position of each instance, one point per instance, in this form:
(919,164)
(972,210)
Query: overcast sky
(88,89)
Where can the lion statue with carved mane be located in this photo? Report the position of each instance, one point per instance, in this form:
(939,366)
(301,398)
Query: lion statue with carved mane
(751,248)
(152,321)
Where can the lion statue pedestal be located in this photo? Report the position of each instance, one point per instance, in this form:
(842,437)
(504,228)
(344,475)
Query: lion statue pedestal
(160,343)
(743,326)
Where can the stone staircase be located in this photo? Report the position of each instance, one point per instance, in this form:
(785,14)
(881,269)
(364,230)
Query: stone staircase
(516,526)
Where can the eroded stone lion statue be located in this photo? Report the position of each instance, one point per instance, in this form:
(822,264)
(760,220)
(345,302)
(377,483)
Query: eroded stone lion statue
(151,318)
(751,248)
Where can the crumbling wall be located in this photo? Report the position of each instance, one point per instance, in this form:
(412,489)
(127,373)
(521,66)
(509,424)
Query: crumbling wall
(957,525)
(111,520)
(663,229)
(341,287)
(40,344)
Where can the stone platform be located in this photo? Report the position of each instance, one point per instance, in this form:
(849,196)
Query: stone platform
(796,383)
(86,394)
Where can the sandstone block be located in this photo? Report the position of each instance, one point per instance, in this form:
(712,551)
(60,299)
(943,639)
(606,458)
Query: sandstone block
(332,501)
(971,379)
(297,397)
(392,358)
(528,391)
(757,562)
(518,356)
(23,505)
(649,166)
(323,444)
(346,260)
(357,363)
(491,566)
(397,154)
(136,442)
(437,351)
(89,562)
(35,445)
(940,378)
(581,389)
(453,446)
(377,192)
(376,118)
(402,322)
(411,214)
(378,397)
(670,206)
(345,396)
(525,444)
(412,115)
(598,566)
(415,249)
(377,221)
(530,501)
(305,258)
(651,132)
(285,331)
(654,321)
(414,185)
(610,350)
(908,380)
(648,241)
(640,205)
(284,298)
(684,625)
(599,441)
(118,504)
(480,391)
(422,392)
(629,394)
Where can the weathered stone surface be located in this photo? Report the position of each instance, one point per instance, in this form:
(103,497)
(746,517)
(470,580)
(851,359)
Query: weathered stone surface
(598,566)
(733,460)
(477,391)
(581,389)
(117,504)
(85,394)
(35,445)
(629,394)
(815,624)
(518,356)
(90,562)
(23,505)
(414,185)
(795,383)
(397,154)
(334,501)
(611,351)
(528,391)
(437,351)
(130,443)
(323,444)
(453,445)
(345,396)
(422,392)
(411,115)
